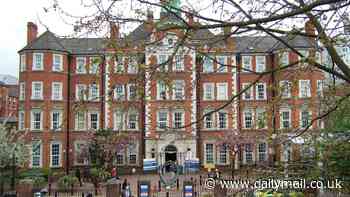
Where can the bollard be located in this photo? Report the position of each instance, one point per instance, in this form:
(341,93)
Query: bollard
(167,194)
(82,194)
(56,194)
(159,186)
(200,179)
(177,184)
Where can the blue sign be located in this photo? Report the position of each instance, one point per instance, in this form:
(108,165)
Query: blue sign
(144,191)
(188,191)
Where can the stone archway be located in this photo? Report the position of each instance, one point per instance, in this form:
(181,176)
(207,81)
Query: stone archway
(170,153)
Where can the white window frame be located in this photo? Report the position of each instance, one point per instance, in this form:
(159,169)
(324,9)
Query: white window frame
(80,88)
(282,118)
(59,123)
(222,94)
(286,89)
(260,63)
(135,113)
(119,125)
(97,120)
(179,92)
(208,64)
(129,88)
(307,92)
(218,120)
(301,118)
(57,67)
(212,117)
(249,91)
(208,96)
(320,87)
(40,156)
(59,155)
(162,121)
(94,67)
(119,65)
(159,92)
(257,114)
(250,153)
(182,123)
(22,91)
(120,153)
(37,67)
(306,54)
(92,95)
(284,58)
(221,68)
(32,120)
(119,96)
(21,120)
(260,152)
(132,65)
(77,121)
(40,96)
(81,70)
(77,150)
(247,67)
(57,96)
(178,63)
(223,153)
(211,153)
(134,152)
(22,63)
(244,118)
(257,96)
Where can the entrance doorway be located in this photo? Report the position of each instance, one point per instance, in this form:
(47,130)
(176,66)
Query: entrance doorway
(170,157)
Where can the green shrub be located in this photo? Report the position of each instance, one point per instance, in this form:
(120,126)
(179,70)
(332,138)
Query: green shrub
(67,181)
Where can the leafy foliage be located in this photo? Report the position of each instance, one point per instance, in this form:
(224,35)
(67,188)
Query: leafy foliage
(66,182)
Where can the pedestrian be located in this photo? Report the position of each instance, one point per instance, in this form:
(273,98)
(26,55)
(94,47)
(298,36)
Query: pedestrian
(114,172)
(78,175)
(127,190)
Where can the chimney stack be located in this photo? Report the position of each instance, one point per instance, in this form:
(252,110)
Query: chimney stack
(114,31)
(32,32)
(310,28)
(149,21)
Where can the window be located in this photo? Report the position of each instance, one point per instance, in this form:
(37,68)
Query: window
(132,121)
(132,92)
(132,65)
(262,151)
(38,61)
(132,154)
(57,64)
(287,152)
(119,65)
(36,154)
(80,152)
(55,154)
(248,154)
(22,91)
(248,93)
(221,91)
(36,120)
(246,63)
(94,92)
(221,64)
(248,119)
(208,120)
(304,88)
(261,118)
(261,91)
(161,91)
(80,121)
(286,89)
(284,59)
(179,63)
(56,91)
(208,91)
(162,63)
(305,118)
(223,154)
(56,120)
(80,93)
(222,120)
(21,120)
(305,55)
(260,63)
(209,153)
(320,86)
(162,119)
(22,63)
(94,65)
(286,119)
(119,93)
(120,157)
(80,68)
(37,90)
(179,90)
(94,121)
(179,119)
(208,65)
(318,57)
(118,120)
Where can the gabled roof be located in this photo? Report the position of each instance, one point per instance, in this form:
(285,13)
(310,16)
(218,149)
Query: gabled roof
(46,41)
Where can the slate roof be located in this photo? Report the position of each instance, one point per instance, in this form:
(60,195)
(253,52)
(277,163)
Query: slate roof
(243,44)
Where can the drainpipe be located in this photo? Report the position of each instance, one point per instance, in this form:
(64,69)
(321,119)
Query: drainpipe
(68,112)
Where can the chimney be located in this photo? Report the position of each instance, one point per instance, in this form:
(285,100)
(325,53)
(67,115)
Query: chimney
(114,31)
(32,32)
(149,16)
(190,18)
(149,21)
(310,28)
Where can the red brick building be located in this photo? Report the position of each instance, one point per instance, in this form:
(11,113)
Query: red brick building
(8,103)
(177,103)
